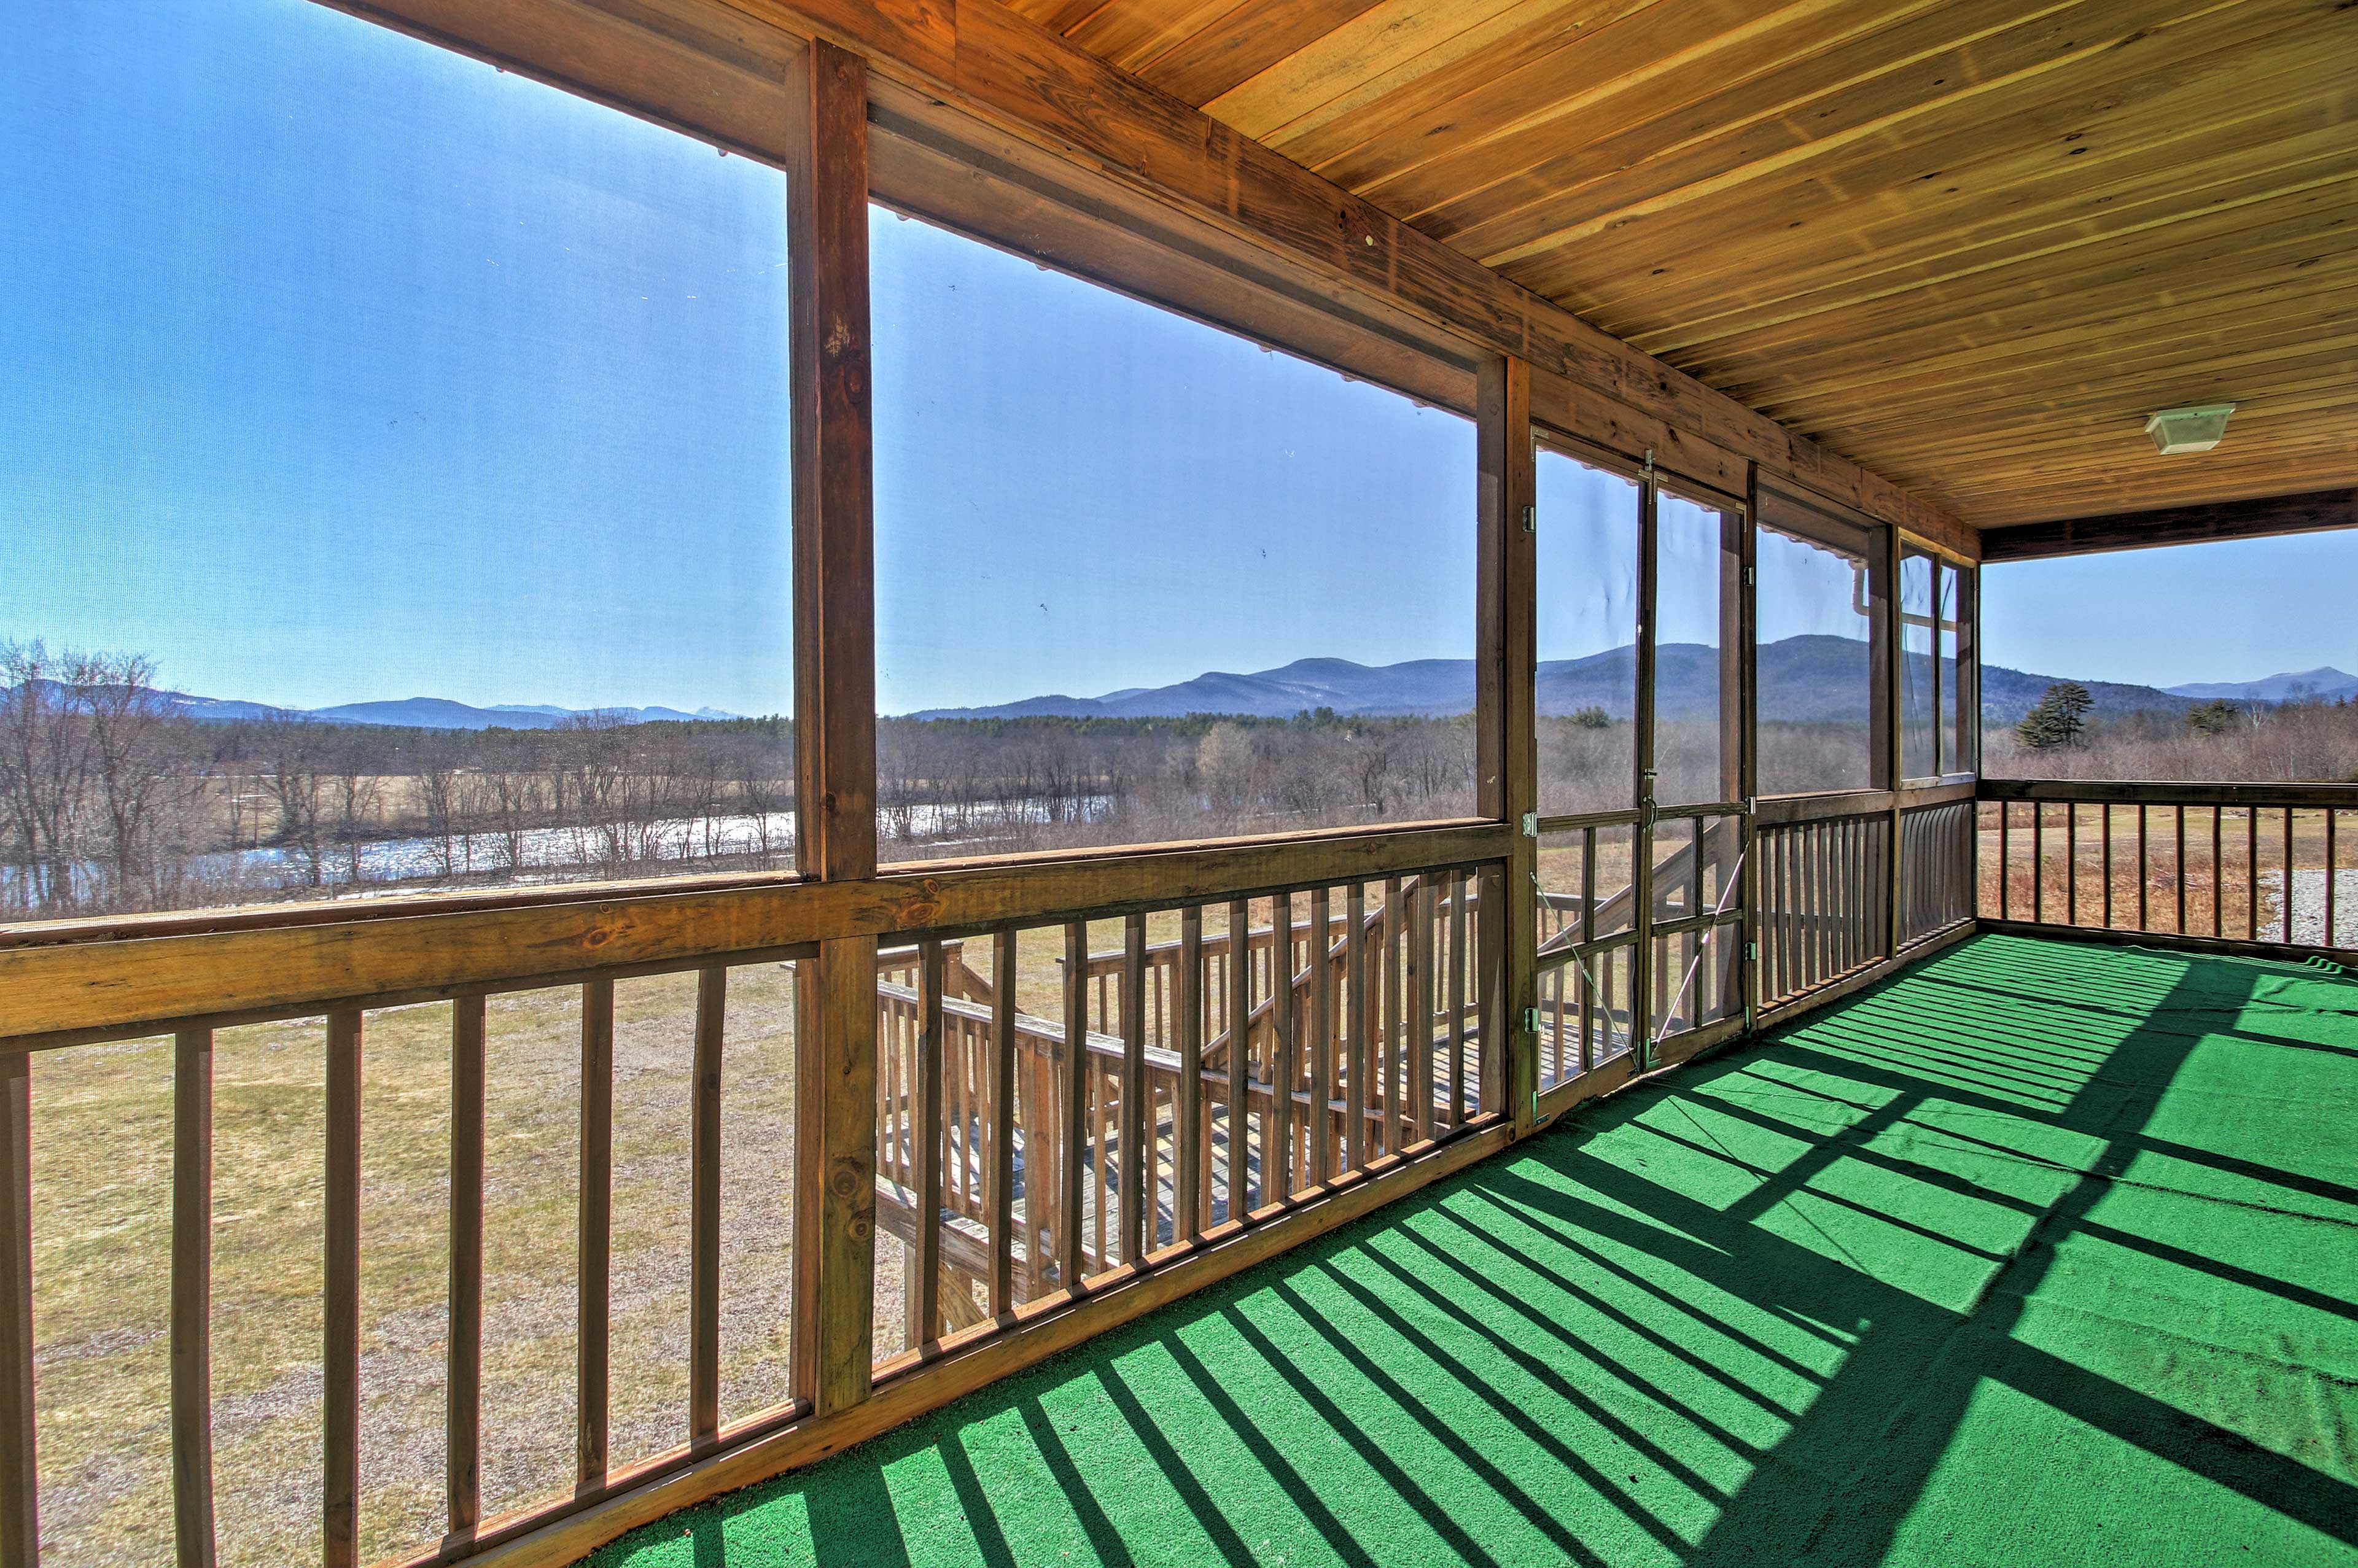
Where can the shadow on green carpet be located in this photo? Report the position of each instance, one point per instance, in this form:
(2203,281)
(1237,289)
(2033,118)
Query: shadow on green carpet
(2042,1253)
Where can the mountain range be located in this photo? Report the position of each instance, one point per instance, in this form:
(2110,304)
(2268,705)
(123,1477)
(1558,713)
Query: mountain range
(1804,679)
(2324,681)
(426,713)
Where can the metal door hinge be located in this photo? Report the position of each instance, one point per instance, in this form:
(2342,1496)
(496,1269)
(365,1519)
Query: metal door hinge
(1530,1021)
(1530,519)
(1752,952)
(1530,824)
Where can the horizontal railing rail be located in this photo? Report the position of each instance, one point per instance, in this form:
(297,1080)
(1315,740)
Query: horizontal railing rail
(2264,867)
(66,983)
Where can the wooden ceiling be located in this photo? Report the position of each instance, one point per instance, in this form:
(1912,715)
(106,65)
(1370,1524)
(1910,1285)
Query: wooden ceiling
(1971,243)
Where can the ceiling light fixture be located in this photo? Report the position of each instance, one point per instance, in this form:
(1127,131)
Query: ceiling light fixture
(2195,430)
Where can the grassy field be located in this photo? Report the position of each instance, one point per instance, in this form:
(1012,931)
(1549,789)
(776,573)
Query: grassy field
(101,1120)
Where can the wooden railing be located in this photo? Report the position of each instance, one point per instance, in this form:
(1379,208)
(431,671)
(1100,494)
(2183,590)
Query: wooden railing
(1364,1035)
(1936,869)
(1825,886)
(1014,1174)
(1609,989)
(2246,866)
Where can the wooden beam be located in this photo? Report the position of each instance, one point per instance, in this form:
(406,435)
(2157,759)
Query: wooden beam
(835,728)
(835,565)
(92,987)
(2315,512)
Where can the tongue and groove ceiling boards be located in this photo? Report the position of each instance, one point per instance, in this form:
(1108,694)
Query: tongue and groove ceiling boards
(1969,243)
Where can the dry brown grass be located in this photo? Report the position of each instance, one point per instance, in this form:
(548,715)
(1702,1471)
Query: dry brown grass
(2228,890)
(101,1238)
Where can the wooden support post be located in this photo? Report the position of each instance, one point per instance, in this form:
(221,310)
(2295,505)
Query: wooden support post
(1642,990)
(835,724)
(703,1210)
(340,1498)
(1505,717)
(463,1353)
(192,1271)
(835,1211)
(1748,740)
(1892,645)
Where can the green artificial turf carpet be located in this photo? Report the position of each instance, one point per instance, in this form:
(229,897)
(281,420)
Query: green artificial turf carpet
(2040,1254)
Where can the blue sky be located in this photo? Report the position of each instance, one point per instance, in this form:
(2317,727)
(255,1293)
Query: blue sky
(336,367)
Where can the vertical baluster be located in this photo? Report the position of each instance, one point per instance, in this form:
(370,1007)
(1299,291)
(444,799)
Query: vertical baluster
(1187,1191)
(463,1354)
(1394,1030)
(2105,823)
(924,1293)
(1356,1024)
(1420,1005)
(1587,1057)
(1138,1156)
(2217,870)
(1810,908)
(2333,873)
(1103,1217)
(2006,859)
(1239,1111)
(1073,1096)
(1319,1125)
(2177,868)
(2145,869)
(2038,862)
(1000,1184)
(340,1347)
(2287,875)
(704,1211)
(2071,862)
(1278,1174)
(2252,873)
(1459,882)
(1781,909)
(192,1325)
(20,1514)
(592,1329)
(1838,892)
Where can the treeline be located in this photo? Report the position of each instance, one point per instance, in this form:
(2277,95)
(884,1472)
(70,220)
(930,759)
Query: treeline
(114,801)
(956,785)
(2292,742)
